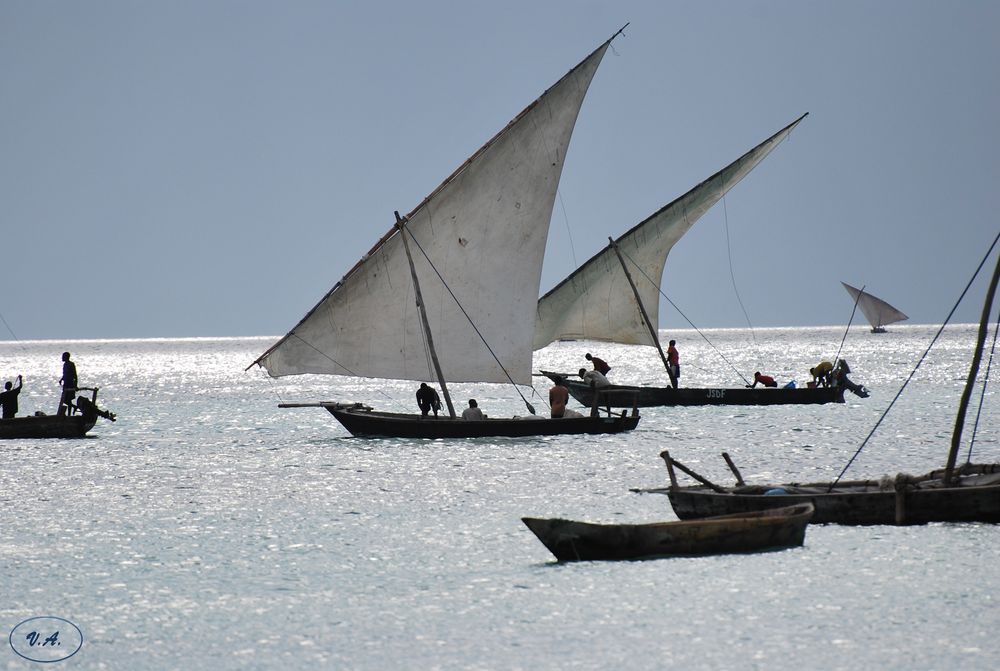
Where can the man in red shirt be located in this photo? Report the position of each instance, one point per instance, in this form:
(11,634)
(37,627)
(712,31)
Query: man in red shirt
(765,380)
(673,364)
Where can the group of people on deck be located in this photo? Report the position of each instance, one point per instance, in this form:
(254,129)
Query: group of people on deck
(824,374)
(428,401)
(68,381)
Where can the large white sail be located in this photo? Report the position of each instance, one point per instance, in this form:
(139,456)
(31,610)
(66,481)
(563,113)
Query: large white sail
(596,301)
(484,231)
(876,311)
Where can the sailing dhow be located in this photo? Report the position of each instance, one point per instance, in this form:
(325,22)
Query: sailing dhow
(600,300)
(425,303)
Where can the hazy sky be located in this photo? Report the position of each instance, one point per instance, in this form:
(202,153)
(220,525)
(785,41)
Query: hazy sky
(203,168)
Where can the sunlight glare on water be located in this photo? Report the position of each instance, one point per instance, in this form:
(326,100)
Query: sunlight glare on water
(209,529)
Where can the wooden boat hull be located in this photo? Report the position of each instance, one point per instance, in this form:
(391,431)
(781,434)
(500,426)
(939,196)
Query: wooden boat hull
(728,534)
(976,498)
(47,426)
(625,396)
(365,422)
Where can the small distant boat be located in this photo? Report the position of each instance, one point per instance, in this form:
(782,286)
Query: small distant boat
(772,529)
(878,313)
(58,426)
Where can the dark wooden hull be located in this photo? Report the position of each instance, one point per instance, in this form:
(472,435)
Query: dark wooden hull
(975,499)
(625,396)
(728,534)
(364,422)
(47,426)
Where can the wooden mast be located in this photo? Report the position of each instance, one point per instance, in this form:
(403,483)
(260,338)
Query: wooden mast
(956,436)
(423,318)
(642,310)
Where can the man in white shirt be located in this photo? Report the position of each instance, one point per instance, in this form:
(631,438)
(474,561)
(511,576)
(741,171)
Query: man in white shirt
(593,378)
(473,411)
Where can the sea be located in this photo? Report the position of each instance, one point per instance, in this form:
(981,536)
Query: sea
(207,528)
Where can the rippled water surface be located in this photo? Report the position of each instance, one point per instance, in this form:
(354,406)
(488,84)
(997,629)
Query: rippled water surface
(208,529)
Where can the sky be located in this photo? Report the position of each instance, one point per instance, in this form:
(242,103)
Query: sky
(211,168)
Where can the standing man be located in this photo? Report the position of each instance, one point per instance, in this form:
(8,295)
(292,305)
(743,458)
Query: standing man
(8,399)
(673,364)
(68,382)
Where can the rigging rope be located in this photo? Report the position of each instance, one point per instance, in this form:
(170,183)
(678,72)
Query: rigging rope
(679,311)
(530,408)
(920,361)
(732,275)
(982,396)
(569,232)
(836,359)
(8,327)
(334,362)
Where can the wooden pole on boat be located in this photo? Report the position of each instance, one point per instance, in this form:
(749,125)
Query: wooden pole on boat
(665,455)
(703,480)
(956,436)
(423,318)
(732,467)
(642,310)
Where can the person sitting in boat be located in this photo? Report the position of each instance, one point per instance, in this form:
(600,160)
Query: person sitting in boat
(558,398)
(839,378)
(473,411)
(69,383)
(428,399)
(822,373)
(600,365)
(673,364)
(593,378)
(8,398)
(765,380)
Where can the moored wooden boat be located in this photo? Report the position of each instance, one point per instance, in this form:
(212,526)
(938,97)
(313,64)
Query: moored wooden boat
(972,496)
(966,492)
(618,396)
(726,534)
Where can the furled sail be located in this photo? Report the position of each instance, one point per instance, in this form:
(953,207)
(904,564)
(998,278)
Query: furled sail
(596,302)
(477,242)
(876,311)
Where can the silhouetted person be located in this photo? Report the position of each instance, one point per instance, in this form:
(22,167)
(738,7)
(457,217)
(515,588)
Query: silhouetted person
(68,382)
(839,378)
(428,399)
(8,399)
(600,365)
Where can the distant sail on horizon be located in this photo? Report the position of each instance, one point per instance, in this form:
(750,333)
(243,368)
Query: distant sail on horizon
(878,313)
